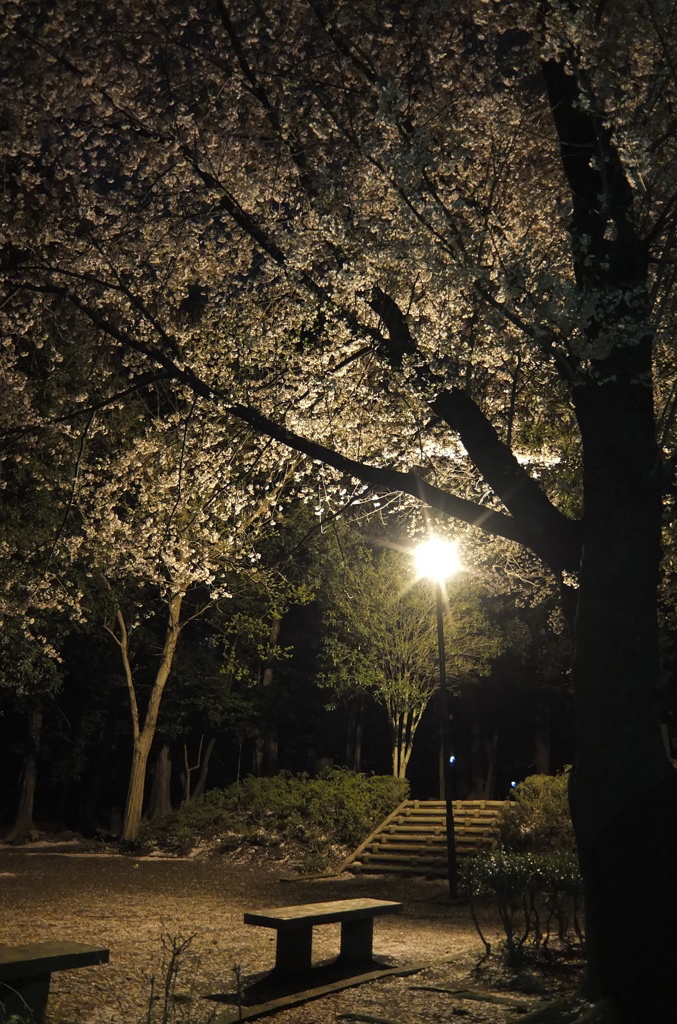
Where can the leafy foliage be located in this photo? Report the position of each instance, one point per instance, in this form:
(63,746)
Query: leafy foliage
(336,809)
(381,634)
(536,895)
(29,672)
(538,820)
(534,879)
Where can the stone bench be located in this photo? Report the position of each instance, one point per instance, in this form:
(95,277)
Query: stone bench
(25,973)
(295,925)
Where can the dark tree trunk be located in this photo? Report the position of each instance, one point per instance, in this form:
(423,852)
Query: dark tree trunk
(267,743)
(354,735)
(199,787)
(97,775)
(23,820)
(160,801)
(271,751)
(542,740)
(624,790)
(257,755)
(265,752)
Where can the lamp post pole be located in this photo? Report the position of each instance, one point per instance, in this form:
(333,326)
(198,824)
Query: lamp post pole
(437,559)
(446,773)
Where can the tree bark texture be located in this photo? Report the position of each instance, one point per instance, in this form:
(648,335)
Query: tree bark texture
(143,734)
(403,726)
(624,790)
(23,820)
(354,726)
(160,801)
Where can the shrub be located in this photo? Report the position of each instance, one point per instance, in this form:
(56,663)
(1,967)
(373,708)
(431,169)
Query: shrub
(538,819)
(537,895)
(337,808)
(533,878)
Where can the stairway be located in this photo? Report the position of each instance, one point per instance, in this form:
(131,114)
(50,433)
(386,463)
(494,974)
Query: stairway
(413,839)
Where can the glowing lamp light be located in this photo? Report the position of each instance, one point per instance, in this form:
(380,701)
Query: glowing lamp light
(437,559)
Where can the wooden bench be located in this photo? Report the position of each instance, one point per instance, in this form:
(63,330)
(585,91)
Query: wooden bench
(25,973)
(295,930)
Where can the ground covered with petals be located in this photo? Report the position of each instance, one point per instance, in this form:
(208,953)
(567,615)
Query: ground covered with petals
(139,907)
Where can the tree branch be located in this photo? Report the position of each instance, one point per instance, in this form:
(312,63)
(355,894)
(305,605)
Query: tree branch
(123,644)
(544,530)
(599,190)
(561,552)
(519,492)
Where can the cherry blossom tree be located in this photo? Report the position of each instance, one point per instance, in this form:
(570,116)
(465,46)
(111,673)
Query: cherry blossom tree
(430,247)
(164,521)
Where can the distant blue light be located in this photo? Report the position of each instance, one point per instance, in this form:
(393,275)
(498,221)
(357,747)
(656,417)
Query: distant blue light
(513,784)
(452,759)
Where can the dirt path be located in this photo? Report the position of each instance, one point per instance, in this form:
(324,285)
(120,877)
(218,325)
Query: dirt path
(127,904)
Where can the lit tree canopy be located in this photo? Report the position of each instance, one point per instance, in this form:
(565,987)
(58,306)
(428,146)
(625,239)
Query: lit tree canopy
(214,194)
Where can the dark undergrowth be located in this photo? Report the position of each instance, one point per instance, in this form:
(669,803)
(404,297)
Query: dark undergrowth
(310,820)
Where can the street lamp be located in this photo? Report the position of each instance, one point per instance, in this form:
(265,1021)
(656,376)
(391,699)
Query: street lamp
(437,560)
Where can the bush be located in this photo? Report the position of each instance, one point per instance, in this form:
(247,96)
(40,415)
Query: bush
(538,819)
(537,895)
(339,808)
(533,878)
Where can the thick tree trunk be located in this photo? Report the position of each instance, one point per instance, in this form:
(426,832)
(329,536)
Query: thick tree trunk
(136,788)
(160,801)
(23,820)
(624,790)
(271,751)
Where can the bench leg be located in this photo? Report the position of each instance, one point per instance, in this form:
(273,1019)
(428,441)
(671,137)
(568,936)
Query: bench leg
(357,939)
(24,997)
(294,949)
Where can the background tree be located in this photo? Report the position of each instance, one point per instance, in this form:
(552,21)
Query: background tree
(30,676)
(163,520)
(381,635)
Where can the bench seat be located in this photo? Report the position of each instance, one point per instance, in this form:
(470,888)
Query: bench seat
(26,970)
(294,926)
